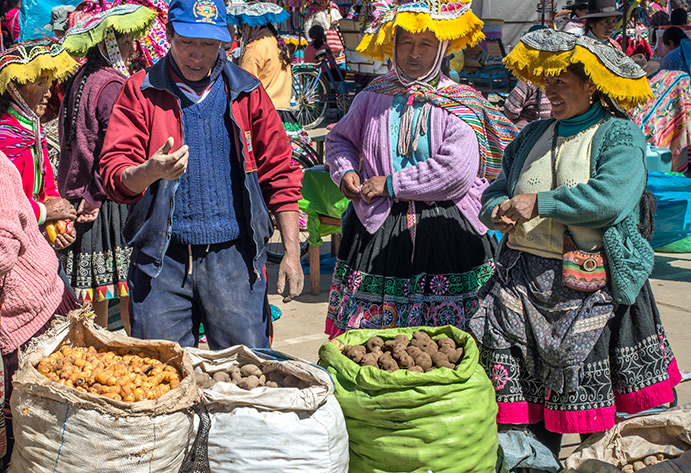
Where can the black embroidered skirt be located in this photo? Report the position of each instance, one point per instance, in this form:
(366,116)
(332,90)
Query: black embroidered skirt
(421,268)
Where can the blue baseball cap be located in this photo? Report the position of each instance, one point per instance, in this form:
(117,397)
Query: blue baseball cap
(202,19)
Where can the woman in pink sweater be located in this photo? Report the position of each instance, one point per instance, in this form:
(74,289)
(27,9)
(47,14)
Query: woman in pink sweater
(413,154)
(31,291)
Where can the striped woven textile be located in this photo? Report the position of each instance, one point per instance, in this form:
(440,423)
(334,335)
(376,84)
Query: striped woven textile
(16,140)
(493,130)
(666,120)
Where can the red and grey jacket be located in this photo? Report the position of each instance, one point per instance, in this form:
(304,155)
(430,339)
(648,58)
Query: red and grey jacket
(147,112)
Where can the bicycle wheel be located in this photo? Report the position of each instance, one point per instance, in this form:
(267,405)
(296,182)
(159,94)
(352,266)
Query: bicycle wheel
(306,156)
(311,94)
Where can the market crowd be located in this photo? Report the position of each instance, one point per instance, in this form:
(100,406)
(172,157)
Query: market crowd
(527,227)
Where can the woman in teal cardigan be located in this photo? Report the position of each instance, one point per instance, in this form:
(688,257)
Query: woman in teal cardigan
(568,327)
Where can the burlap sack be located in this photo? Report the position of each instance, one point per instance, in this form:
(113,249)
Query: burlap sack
(636,438)
(59,429)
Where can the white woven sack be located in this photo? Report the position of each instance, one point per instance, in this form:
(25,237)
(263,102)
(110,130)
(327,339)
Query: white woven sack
(287,430)
(61,430)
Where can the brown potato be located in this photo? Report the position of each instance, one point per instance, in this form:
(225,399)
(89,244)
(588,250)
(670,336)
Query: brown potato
(402,340)
(416,369)
(386,362)
(235,374)
(651,460)
(406,361)
(248,383)
(638,465)
(221,377)
(413,351)
(440,360)
(355,352)
(369,359)
(627,469)
(424,361)
(374,342)
(446,342)
(250,369)
(271,384)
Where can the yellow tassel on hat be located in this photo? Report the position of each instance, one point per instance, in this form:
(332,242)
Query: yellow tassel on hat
(60,67)
(531,65)
(462,32)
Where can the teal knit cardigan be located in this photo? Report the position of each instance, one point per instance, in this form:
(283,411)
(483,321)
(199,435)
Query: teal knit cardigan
(609,200)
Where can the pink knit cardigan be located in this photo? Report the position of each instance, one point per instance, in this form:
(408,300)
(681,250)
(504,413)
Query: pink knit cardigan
(30,289)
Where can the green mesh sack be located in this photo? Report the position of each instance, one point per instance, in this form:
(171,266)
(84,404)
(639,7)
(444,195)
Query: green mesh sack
(442,421)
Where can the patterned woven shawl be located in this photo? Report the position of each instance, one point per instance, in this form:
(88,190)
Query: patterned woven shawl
(17,140)
(493,130)
(666,121)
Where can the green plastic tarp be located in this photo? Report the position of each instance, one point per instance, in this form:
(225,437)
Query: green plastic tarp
(320,196)
(443,421)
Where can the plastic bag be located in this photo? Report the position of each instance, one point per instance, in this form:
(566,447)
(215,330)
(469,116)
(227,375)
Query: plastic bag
(443,420)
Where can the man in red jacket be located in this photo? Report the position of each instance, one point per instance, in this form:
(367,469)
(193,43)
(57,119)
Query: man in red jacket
(197,149)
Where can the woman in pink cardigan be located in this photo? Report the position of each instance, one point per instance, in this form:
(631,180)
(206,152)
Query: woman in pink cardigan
(31,291)
(412,154)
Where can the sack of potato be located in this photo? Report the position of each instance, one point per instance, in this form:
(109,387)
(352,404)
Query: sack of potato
(269,412)
(649,443)
(86,399)
(425,412)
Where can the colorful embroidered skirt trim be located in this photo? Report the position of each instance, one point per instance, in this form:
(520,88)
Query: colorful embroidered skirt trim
(96,264)
(630,369)
(388,280)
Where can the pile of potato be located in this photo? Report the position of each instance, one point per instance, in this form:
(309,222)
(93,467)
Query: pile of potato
(421,354)
(250,376)
(121,375)
(640,464)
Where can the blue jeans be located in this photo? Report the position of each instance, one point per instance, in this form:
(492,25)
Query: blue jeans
(214,285)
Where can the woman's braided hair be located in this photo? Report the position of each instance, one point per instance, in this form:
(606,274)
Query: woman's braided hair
(284,53)
(5,101)
(70,122)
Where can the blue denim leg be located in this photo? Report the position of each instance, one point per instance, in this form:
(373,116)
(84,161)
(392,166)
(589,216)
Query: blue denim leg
(233,311)
(163,307)
(217,292)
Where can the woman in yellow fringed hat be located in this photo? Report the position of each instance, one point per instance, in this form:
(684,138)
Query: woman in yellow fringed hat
(97,264)
(27,70)
(414,154)
(568,326)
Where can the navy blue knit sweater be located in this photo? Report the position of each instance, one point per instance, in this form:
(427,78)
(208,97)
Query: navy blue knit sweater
(208,200)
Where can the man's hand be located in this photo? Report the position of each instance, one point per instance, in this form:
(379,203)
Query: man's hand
(64,240)
(58,208)
(290,269)
(519,209)
(350,185)
(374,187)
(86,212)
(167,165)
(162,165)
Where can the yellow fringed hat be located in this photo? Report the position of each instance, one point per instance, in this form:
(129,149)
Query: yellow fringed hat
(548,53)
(25,62)
(91,29)
(450,20)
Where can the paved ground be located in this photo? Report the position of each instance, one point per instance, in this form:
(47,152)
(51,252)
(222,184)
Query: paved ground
(300,329)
